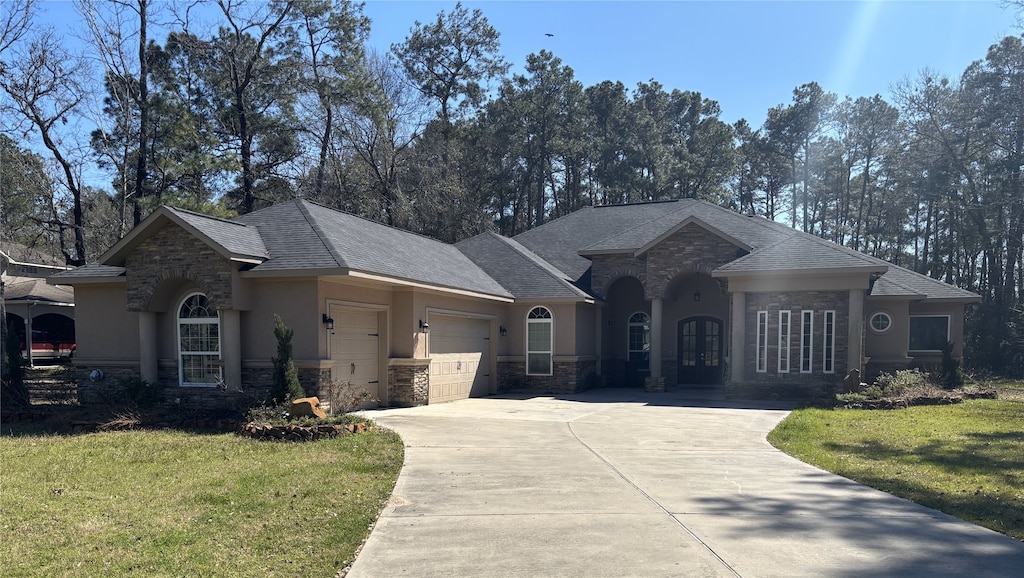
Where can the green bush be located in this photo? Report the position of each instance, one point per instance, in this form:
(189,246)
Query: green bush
(851,397)
(13,391)
(286,377)
(139,393)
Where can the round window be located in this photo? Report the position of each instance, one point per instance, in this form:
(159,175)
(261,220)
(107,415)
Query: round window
(880,322)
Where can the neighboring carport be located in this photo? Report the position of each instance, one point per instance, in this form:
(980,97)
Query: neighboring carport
(625,483)
(39,307)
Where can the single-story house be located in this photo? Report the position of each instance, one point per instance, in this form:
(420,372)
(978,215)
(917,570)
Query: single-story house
(667,294)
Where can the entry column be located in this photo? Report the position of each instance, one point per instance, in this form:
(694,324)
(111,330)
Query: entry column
(655,382)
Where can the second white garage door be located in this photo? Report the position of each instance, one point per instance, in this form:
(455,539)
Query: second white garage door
(460,353)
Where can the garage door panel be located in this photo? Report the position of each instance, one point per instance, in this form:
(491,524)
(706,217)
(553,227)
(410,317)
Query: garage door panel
(460,358)
(355,348)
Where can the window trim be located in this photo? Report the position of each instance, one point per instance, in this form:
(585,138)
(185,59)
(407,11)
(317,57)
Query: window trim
(550,322)
(784,341)
(871,322)
(806,341)
(761,356)
(178,322)
(630,324)
(910,333)
(828,342)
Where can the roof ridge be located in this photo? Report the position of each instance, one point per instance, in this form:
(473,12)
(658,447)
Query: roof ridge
(622,232)
(210,217)
(315,226)
(378,223)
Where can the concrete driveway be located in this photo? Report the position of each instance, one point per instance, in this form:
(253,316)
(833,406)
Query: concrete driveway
(625,483)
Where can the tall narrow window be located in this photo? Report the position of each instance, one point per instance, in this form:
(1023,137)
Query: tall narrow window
(762,341)
(538,341)
(828,348)
(784,341)
(639,340)
(806,341)
(198,343)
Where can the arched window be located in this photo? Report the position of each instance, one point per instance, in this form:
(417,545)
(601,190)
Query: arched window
(198,343)
(539,332)
(639,340)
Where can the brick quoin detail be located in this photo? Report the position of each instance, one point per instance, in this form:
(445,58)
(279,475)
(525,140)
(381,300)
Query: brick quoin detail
(173,253)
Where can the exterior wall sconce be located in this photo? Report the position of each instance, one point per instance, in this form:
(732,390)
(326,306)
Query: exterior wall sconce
(424,327)
(329,322)
(502,331)
(696,295)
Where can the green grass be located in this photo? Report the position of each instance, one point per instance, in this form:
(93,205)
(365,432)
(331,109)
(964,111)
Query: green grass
(169,503)
(966,460)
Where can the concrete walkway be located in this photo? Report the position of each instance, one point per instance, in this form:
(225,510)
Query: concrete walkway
(624,483)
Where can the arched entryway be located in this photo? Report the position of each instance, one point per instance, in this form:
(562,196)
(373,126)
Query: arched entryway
(699,352)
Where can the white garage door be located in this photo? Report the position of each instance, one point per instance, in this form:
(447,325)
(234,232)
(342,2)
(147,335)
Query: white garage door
(354,348)
(460,353)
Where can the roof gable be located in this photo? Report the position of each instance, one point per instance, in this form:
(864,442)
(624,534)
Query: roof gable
(232,240)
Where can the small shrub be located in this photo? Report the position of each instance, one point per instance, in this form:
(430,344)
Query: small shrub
(851,397)
(139,393)
(286,376)
(344,397)
(269,414)
(952,376)
(896,384)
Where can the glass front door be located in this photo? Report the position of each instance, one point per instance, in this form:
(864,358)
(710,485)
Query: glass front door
(700,351)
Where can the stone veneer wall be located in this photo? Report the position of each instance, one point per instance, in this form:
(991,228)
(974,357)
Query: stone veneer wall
(690,249)
(256,389)
(173,253)
(793,385)
(408,383)
(605,269)
(566,377)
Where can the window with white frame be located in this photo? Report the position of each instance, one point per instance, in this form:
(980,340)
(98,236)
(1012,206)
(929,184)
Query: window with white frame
(806,340)
(539,330)
(784,341)
(828,346)
(928,332)
(198,343)
(639,340)
(762,341)
(880,322)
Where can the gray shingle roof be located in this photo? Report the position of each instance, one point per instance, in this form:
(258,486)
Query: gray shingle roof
(801,252)
(906,283)
(90,270)
(773,246)
(303,235)
(233,236)
(525,274)
(31,289)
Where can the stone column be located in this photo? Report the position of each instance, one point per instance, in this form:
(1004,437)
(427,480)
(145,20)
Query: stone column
(147,347)
(855,332)
(231,347)
(738,336)
(656,337)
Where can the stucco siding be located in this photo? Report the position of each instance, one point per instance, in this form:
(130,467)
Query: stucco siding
(103,328)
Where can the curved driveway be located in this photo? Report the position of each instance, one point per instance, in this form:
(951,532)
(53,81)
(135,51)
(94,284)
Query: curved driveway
(625,483)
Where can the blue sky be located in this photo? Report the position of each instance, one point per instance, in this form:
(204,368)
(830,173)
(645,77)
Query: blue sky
(749,56)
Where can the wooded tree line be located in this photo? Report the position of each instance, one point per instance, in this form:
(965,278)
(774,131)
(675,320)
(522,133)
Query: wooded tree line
(238,105)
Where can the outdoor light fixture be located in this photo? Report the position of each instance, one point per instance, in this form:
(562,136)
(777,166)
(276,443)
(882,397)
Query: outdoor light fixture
(502,331)
(424,327)
(696,295)
(328,322)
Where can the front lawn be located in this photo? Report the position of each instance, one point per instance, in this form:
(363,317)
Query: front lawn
(170,503)
(966,459)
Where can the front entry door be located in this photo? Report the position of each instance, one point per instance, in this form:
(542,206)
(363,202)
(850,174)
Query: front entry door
(700,351)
